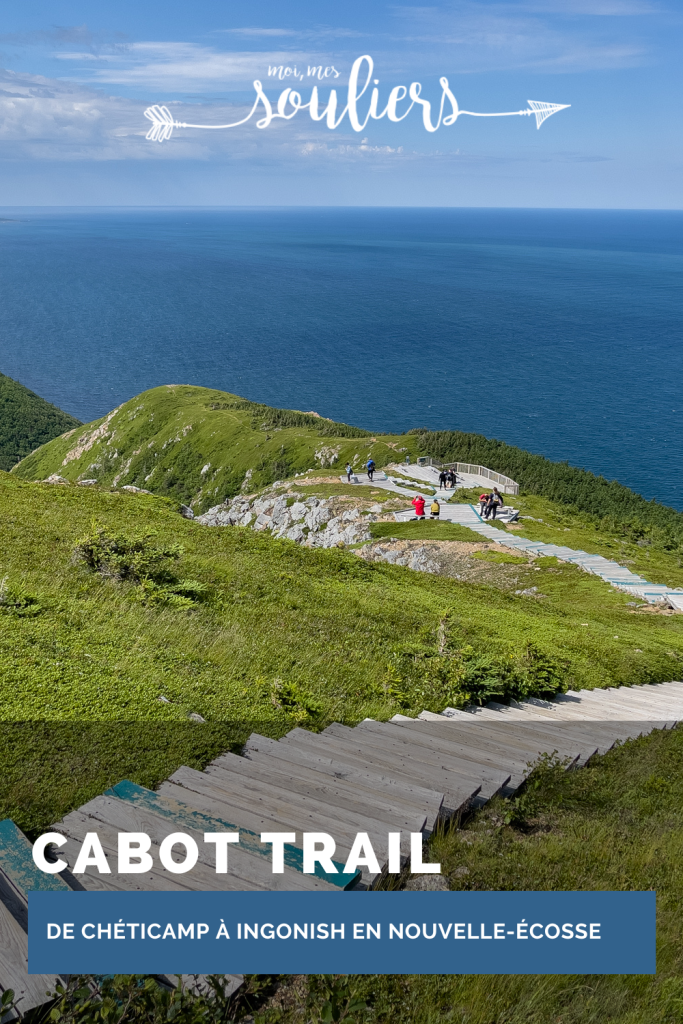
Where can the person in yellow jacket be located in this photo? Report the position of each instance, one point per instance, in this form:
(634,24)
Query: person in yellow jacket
(435,510)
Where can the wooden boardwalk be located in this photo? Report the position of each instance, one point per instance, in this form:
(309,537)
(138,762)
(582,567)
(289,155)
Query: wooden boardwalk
(618,576)
(404,776)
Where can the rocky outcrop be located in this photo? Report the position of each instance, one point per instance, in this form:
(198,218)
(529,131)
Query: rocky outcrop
(307,521)
(417,558)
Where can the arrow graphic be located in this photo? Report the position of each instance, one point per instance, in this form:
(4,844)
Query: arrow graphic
(163,122)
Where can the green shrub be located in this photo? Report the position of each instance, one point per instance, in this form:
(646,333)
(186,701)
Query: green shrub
(14,601)
(126,558)
(137,560)
(297,702)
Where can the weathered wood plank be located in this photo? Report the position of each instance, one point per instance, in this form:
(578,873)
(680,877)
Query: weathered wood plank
(457,790)
(401,746)
(125,817)
(354,818)
(245,871)
(499,758)
(397,786)
(181,816)
(280,815)
(499,750)
(75,825)
(217,802)
(16,861)
(559,733)
(334,794)
(30,990)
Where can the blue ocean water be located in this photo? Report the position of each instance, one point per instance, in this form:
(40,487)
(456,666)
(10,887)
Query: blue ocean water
(559,331)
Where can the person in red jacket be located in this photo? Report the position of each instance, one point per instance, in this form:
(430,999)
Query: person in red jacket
(419,505)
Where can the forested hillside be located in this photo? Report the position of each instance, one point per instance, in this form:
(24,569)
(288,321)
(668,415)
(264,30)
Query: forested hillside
(26,421)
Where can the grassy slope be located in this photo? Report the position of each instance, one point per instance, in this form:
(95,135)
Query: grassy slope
(26,421)
(79,683)
(323,620)
(617,824)
(162,440)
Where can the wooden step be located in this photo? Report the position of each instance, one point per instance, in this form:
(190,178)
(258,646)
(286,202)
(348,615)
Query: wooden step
(394,786)
(30,990)
(457,790)
(203,794)
(336,795)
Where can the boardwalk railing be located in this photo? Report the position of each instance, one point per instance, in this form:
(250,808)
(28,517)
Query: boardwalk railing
(509,486)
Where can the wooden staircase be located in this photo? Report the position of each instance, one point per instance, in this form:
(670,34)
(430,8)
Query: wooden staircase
(404,776)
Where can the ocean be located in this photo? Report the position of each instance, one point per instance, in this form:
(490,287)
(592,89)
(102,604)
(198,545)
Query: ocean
(556,330)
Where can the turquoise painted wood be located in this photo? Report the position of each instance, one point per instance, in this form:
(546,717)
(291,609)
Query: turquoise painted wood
(16,861)
(182,815)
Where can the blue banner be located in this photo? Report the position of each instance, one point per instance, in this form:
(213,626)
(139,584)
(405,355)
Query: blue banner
(349,933)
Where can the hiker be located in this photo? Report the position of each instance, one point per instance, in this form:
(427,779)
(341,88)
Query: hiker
(495,499)
(407,460)
(450,479)
(443,476)
(370,468)
(483,502)
(498,501)
(418,503)
(435,510)
(349,472)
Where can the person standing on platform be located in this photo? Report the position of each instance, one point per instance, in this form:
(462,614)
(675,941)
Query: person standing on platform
(419,505)
(370,469)
(349,471)
(495,502)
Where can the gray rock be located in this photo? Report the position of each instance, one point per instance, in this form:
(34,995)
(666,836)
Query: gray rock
(263,522)
(87,483)
(185,511)
(194,717)
(139,490)
(317,517)
(297,511)
(295,533)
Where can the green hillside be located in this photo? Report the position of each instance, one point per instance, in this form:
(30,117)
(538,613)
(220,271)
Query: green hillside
(199,445)
(133,640)
(26,421)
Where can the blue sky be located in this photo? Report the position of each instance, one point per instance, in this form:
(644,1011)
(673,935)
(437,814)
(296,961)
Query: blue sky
(76,77)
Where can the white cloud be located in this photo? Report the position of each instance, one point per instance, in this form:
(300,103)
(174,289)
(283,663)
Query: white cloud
(47,119)
(44,119)
(591,8)
(473,38)
(186,67)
